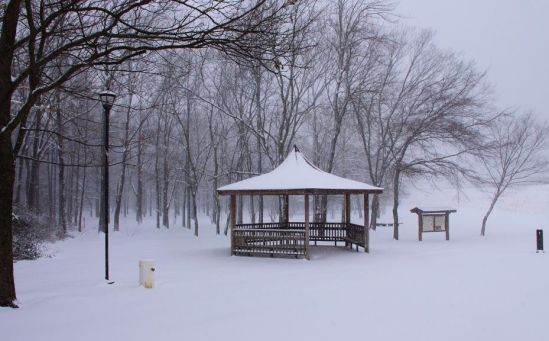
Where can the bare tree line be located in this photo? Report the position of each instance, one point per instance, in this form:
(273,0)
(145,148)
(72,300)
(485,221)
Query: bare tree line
(221,93)
(46,43)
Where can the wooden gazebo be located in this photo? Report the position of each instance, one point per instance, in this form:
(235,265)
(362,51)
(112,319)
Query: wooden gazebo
(297,176)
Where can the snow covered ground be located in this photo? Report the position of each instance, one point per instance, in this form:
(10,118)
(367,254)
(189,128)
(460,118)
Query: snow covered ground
(470,288)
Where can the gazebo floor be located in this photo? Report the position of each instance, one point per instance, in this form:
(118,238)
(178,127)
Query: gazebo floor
(288,239)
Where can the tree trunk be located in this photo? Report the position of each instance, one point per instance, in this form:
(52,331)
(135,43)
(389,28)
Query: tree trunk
(125,206)
(165,187)
(97,199)
(118,198)
(99,202)
(259,110)
(122,179)
(207,205)
(284,217)
(375,211)
(226,231)
(10,19)
(485,218)
(139,213)
(239,210)
(150,201)
(33,193)
(184,207)
(157,176)
(176,198)
(82,201)
(7,177)
(217,214)
(252,209)
(396,189)
(51,189)
(19,172)
(316,160)
(359,207)
(8,32)
(54,187)
(62,217)
(217,206)
(69,195)
(76,193)
(188,191)
(189,213)
(188,207)
(195,215)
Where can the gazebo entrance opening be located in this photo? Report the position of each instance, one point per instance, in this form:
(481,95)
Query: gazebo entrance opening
(296,176)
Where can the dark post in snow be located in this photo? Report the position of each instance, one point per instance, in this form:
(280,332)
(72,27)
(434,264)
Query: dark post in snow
(539,240)
(107,99)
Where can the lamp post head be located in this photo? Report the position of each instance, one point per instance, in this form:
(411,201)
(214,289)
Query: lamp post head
(107,98)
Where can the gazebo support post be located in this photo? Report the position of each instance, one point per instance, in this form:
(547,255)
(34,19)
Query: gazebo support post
(233,221)
(366,222)
(347,215)
(447,225)
(420,226)
(316,203)
(286,209)
(307,227)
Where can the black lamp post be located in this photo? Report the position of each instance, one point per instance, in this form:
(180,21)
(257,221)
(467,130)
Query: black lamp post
(107,99)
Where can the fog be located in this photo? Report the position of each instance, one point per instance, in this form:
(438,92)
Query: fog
(507,38)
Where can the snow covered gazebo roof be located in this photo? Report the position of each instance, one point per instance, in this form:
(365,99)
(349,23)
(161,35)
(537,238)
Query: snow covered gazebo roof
(297,175)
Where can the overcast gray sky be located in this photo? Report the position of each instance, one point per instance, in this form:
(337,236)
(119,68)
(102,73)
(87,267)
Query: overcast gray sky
(509,38)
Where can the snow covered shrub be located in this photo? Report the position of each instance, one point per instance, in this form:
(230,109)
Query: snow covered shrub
(30,231)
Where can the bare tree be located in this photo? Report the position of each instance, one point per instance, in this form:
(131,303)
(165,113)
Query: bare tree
(351,26)
(35,35)
(516,156)
(424,107)
(126,141)
(372,117)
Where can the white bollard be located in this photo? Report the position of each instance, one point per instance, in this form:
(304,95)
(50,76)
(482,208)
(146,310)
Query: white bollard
(146,273)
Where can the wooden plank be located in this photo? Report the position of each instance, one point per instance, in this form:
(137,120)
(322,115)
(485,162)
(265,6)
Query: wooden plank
(307,227)
(366,222)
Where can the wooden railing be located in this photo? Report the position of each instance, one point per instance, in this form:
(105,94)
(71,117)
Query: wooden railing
(288,239)
(268,241)
(355,234)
